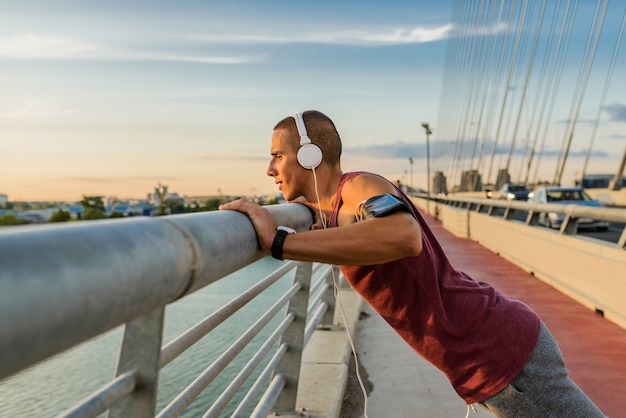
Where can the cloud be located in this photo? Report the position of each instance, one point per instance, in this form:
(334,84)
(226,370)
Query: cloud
(92,179)
(578,121)
(238,158)
(617,136)
(616,111)
(46,47)
(399,149)
(33,46)
(36,109)
(491,30)
(114,55)
(123,179)
(395,36)
(442,148)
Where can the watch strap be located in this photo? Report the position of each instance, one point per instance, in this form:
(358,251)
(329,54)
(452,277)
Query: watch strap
(279,241)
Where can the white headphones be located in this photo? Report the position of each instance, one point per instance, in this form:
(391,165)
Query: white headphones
(309,154)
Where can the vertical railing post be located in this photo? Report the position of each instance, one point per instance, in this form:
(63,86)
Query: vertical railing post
(329,295)
(141,349)
(293,336)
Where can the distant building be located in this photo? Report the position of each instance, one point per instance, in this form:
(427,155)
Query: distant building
(75,209)
(439,183)
(129,207)
(471,181)
(4,199)
(37,216)
(162,194)
(8,212)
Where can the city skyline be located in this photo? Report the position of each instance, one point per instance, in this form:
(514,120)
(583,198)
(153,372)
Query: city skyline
(113,98)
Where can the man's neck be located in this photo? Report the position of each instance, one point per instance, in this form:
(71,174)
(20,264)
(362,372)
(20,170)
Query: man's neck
(327,184)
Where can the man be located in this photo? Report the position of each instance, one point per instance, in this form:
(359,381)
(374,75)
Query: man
(494,349)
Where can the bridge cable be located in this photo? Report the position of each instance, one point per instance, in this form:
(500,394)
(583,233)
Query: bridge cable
(531,61)
(507,88)
(556,72)
(587,72)
(488,96)
(456,160)
(478,105)
(603,99)
(542,75)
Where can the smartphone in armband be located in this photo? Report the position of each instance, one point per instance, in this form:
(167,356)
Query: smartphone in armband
(379,206)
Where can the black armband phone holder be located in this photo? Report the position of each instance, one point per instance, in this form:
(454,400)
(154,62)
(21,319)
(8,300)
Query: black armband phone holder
(379,206)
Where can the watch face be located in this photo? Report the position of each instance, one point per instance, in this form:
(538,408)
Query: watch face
(286,229)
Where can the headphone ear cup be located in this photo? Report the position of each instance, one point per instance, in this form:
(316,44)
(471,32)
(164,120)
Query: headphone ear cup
(309,156)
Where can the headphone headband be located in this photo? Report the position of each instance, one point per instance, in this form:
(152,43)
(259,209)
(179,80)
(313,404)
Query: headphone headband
(309,154)
(304,137)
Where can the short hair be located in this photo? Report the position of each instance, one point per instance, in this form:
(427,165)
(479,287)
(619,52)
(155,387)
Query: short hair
(320,129)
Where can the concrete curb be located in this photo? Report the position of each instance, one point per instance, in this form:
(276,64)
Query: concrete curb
(324,369)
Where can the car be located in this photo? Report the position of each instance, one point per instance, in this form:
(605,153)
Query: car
(566,196)
(514,191)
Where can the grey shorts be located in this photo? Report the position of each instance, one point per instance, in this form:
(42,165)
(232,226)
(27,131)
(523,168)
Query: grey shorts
(543,389)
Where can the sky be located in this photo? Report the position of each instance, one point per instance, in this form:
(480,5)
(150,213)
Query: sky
(112,98)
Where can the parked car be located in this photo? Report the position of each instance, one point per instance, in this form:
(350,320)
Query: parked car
(514,191)
(566,196)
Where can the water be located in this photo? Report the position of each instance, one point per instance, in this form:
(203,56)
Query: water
(55,385)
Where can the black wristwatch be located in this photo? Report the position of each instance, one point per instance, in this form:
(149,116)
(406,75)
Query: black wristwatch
(279,240)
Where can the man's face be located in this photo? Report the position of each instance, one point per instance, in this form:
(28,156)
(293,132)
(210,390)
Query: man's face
(284,167)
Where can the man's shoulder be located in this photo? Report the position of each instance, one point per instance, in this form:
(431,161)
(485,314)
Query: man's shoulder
(364,180)
(363,185)
(363,176)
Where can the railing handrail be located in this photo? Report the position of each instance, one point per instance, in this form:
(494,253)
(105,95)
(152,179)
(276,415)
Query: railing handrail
(61,285)
(572,212)
(608,214)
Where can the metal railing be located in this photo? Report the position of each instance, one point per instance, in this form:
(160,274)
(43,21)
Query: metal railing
(61,285)
(530,212)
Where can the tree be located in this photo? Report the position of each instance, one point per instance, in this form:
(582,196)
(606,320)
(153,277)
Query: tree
(176,206)
(170,207)
(116,215)
(91,214)
(212,204)
(195,207)
(94,207)
(60,216)
(11,219)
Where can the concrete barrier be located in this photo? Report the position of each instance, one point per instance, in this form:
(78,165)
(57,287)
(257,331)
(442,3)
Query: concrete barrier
(609,197)
(325,361)
(590,271)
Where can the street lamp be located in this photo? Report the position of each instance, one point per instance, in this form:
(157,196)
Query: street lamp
(411,166)
(428,132)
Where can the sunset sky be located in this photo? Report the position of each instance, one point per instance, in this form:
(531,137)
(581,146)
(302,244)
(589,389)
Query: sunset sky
(111,98)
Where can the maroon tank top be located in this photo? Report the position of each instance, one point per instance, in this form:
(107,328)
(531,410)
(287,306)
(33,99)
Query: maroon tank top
(480,338)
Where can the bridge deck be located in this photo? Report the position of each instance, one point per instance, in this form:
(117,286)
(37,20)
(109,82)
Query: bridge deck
(404,385)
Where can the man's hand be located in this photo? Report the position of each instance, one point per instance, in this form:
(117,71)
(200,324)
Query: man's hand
(318,224)
(262,220)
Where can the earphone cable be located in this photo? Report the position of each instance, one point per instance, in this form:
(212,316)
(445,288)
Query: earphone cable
(337,295)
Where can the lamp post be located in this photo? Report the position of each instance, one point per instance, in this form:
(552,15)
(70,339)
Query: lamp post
(411,167)
(428,132)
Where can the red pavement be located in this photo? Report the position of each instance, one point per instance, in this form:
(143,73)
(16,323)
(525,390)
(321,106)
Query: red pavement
(594,348)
